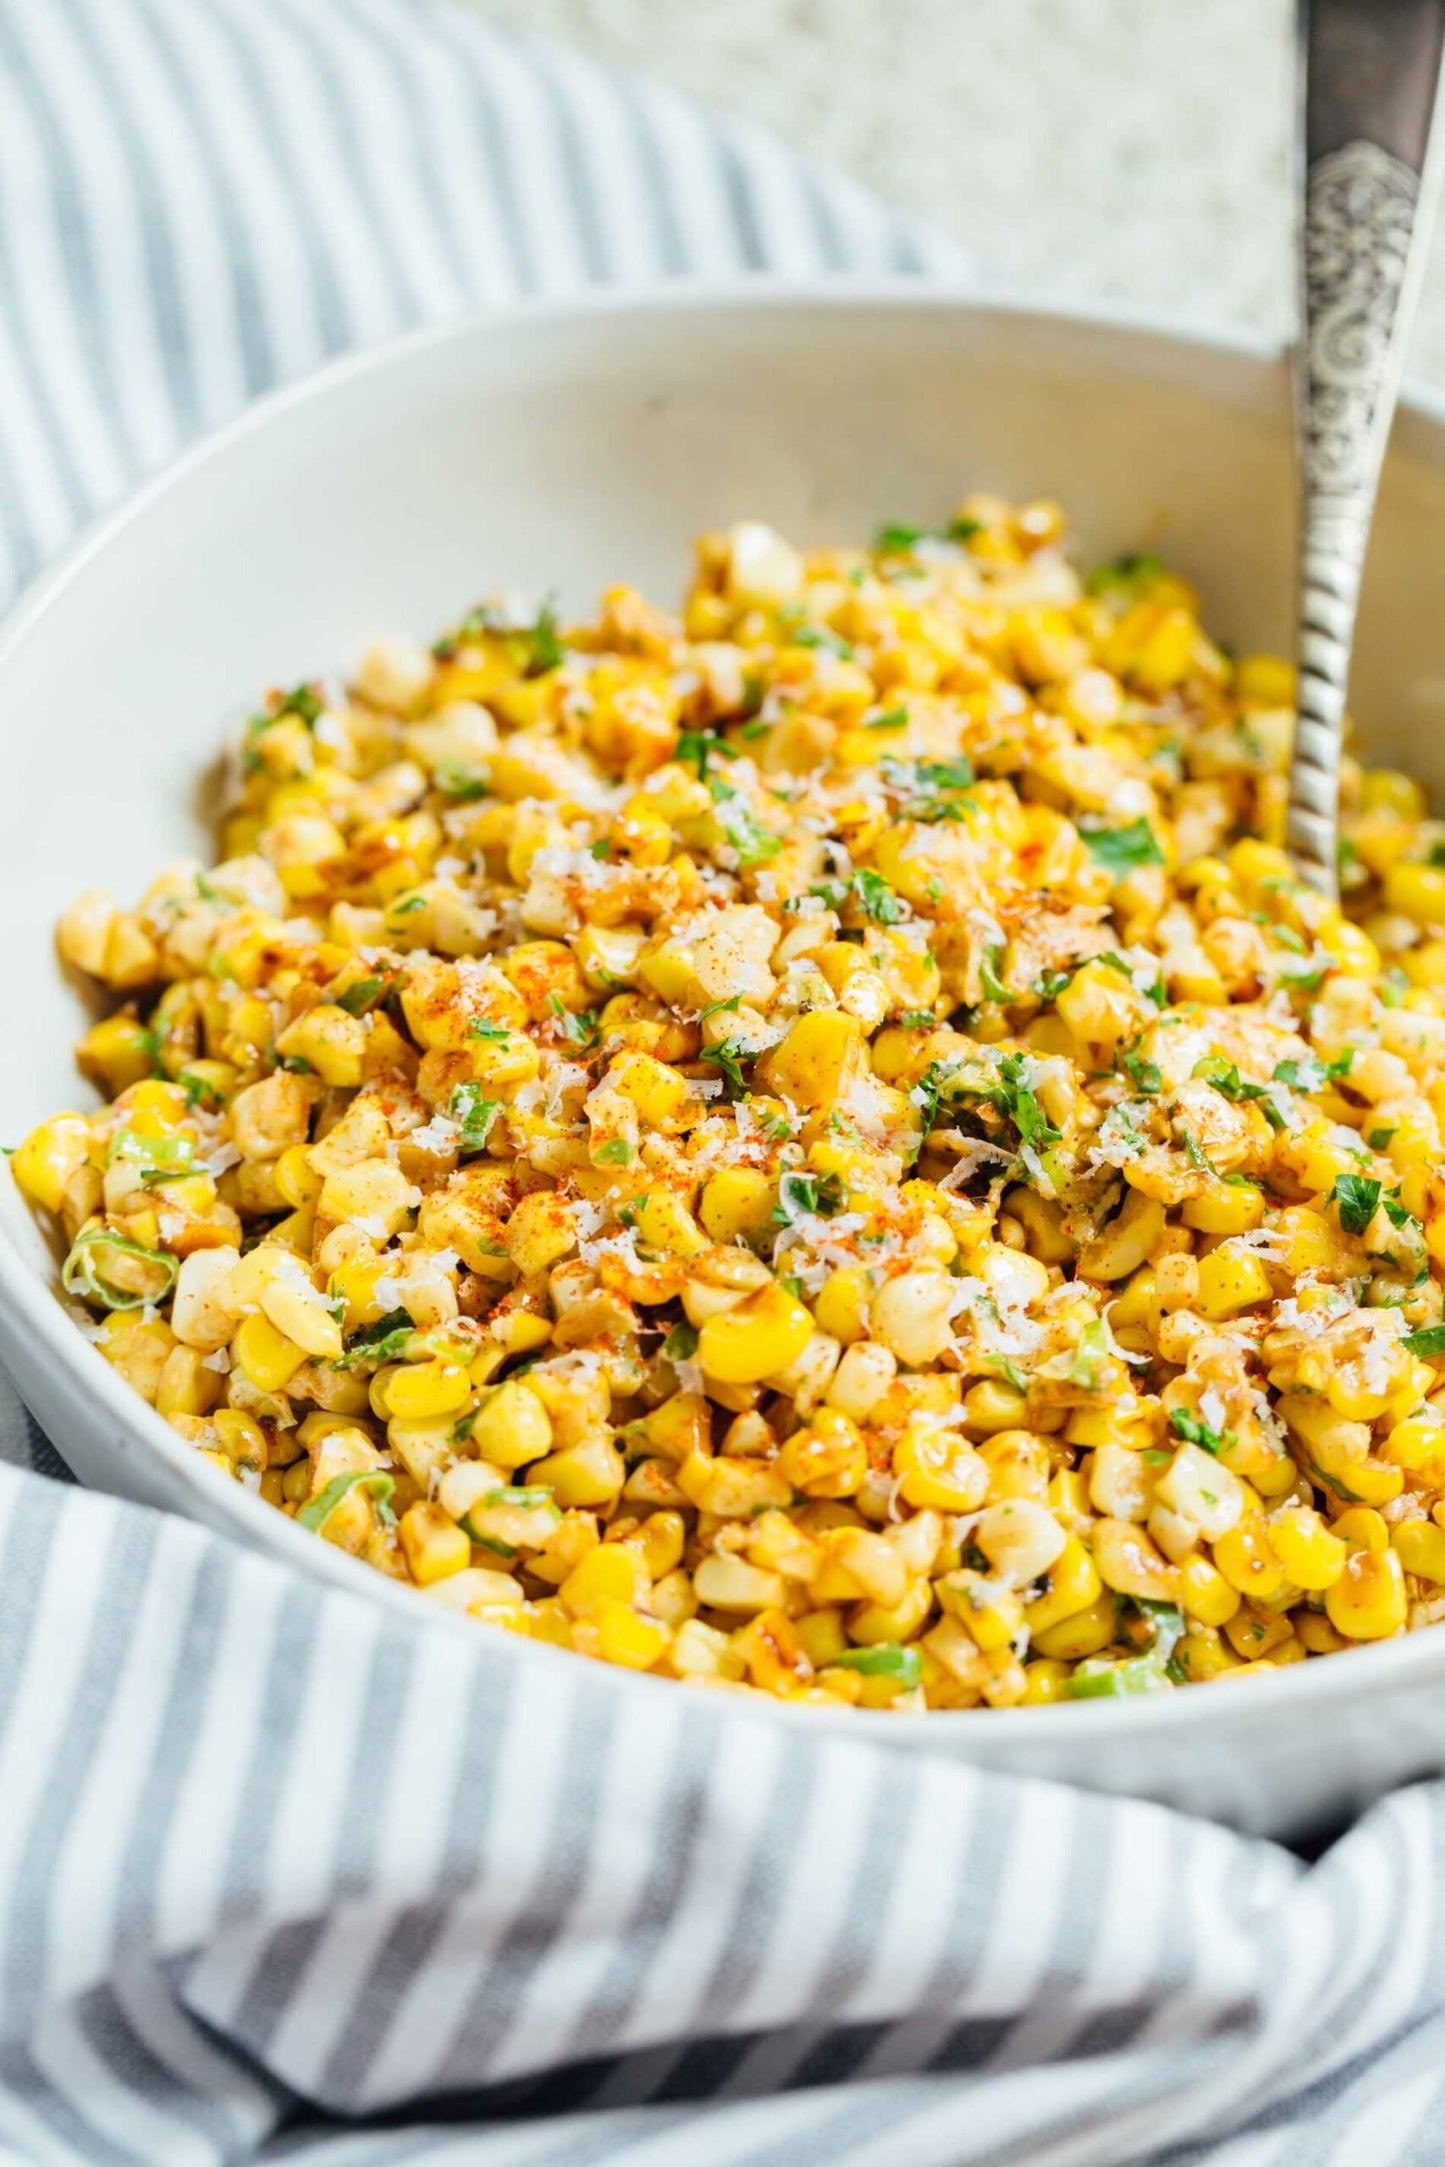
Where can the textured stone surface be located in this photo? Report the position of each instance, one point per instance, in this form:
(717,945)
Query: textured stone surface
(1130,148)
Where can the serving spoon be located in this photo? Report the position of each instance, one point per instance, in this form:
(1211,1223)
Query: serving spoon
(1368,177)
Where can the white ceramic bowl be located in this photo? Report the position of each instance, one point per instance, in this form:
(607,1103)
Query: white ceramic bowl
(582,445)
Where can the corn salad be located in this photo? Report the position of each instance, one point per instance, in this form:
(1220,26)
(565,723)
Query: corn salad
(813,1145)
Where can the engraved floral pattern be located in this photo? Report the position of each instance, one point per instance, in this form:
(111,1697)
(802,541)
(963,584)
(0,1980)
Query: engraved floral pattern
(1360,212)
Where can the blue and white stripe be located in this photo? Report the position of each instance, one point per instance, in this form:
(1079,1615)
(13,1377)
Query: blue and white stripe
(283,1877)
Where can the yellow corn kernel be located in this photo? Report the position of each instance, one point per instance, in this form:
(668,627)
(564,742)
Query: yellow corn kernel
(1129,1562)
(701,1651)
(415,1390)
(1045,1682)
(1248,1560)
(1420,1547)
(185,1385)
(330,1041)
(435,1546)
(773,1650)
(1083,1633)
(737,1204)
(1204,1593)
(1361,1528)
(612,1573)
(661,1541)
(300,1313)
(623,1637)
(816,1059)
(296,1178)
(1316,1635)
(821,1636)
(1073,1585)
(1417,891)
(937,1468)
(1201,1654)
(761,1335)
(243,1441)
(374,1193)
(992,1614)
(267,1356)
(730,1583)
(1226,1208)
(512,1428)
(1368,1601)
(50,1154)
(1230,1280)
(587,1474)
(841,1307)
(1313,1557)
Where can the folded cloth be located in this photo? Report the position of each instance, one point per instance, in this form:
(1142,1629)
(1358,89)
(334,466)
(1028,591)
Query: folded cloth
(287,1876)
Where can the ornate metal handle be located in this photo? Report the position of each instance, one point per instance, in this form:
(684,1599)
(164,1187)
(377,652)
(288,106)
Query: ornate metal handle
(1370,71)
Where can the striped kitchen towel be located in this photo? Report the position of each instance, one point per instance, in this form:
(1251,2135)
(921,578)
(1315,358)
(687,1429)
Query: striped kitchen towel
(284,1876)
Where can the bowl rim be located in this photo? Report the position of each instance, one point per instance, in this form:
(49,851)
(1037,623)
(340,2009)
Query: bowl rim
(30,1309)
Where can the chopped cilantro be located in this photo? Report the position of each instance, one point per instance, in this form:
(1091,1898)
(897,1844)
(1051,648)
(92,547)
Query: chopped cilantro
(895,719)
(885,1659)
(1121,850)
(1428,1342)
(473,1114)
(620,1152)
(800,1193)
(579,1029)
(680,1344)
(1196,1431)
(359,995)
(483,1027)
(379,1342)
(1358,1198)
(728,1007)
(1145,1074)
(456,779)
(727,1057)
(1312,1074)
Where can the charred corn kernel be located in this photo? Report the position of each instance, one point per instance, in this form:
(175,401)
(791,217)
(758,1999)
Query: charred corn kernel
(435,1546)
(762,1335)
(49,1156)
(267,1356)
(1312,1556)
(992,1614)
(1072,1586)
(1368,1601)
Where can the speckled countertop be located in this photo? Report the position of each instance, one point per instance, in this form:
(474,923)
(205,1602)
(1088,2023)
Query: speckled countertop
(1129,148)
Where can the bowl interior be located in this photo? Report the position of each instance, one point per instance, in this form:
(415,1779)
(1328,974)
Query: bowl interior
(574,449)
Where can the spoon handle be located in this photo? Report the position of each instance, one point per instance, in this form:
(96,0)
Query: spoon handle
(1369,71)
